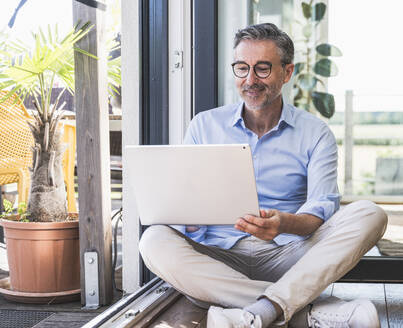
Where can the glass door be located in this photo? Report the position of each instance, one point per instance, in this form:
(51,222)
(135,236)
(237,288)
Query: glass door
(368,111)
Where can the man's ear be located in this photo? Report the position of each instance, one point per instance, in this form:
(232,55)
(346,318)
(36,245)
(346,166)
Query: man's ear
(289,69)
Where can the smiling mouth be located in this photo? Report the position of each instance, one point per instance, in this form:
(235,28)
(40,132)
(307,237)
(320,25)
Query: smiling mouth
(254,90)
(252,93)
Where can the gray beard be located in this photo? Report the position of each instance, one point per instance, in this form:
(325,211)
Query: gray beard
(268,100)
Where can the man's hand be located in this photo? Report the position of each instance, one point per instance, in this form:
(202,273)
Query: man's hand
(271,223)
(265,227)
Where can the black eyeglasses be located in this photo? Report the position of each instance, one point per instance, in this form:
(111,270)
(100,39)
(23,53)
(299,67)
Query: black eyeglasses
(261,69)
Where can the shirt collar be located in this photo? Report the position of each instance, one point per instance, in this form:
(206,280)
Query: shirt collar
(237,117)
(287,115)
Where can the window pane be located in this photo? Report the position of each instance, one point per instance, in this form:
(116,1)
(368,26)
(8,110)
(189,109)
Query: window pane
(368,68)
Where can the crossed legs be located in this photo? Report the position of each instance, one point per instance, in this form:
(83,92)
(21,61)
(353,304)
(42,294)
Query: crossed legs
(291,275)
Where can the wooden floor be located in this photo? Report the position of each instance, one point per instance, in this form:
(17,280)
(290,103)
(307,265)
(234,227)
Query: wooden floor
(388,299)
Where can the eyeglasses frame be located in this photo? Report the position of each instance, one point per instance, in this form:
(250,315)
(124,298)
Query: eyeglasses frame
(254,68)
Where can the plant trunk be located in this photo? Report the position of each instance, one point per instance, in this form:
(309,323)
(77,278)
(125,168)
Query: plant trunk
(47,200)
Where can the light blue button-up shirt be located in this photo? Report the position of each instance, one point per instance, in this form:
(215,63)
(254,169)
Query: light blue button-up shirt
(295,166)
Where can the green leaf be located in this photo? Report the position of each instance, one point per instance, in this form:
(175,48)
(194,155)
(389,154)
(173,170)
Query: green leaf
(326,49)
(22,208)
(324,103)
(81,51)
(307,10)
(42,35)
(325,67)
(307,31)
(298,67)
(307,81)
(50,37)
(8,206)
(319,11)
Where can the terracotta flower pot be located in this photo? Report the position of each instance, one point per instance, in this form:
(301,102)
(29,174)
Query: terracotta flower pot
(43,257)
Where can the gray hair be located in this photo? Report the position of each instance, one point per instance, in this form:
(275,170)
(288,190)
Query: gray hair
(268,31)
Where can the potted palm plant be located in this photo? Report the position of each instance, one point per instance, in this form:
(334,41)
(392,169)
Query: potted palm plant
(43,251)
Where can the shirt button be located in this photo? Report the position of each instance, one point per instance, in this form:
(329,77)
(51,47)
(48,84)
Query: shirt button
(254,157)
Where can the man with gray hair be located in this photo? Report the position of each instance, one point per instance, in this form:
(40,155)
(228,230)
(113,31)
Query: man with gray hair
(268,270)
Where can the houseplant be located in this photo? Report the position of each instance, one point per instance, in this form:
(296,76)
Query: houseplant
(43,253)
(314,63)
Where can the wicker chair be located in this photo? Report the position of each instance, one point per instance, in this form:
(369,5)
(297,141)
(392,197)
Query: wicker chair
(15,150)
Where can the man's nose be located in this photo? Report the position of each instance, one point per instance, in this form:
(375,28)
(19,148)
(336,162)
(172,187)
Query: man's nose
(251,78)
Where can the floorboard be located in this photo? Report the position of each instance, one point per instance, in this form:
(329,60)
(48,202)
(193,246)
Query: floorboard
(394,303)
(183,314)
(203,323)
(373,292)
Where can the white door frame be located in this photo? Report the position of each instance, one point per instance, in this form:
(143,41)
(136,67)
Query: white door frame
(130,136)
(180,68)
(180,110)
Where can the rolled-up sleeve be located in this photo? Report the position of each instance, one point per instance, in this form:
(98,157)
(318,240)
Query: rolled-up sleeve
(323,198)
(199,235)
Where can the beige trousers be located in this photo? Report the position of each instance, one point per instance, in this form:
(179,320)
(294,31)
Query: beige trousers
(292,275)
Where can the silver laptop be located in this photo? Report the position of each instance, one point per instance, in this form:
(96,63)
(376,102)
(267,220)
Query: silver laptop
(192,184)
